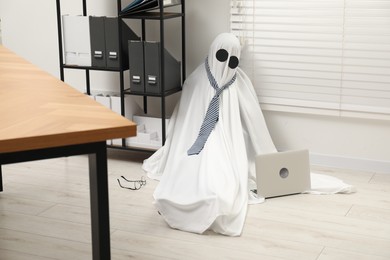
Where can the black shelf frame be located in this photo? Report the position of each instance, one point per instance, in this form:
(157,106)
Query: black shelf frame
(65,66)
(166,93)
(152,15)
(158,14)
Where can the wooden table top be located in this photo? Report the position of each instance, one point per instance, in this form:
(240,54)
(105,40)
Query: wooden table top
(38,110)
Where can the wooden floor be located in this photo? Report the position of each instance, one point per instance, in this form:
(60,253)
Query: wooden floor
(44,214)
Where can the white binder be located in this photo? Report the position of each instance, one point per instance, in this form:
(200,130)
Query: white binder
(76,38)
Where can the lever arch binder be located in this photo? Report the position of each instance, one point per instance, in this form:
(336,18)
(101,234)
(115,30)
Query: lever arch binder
(77,49)
(112,42)
(136,62)
(171,69)
(105,44)
(145,70)
(98,45)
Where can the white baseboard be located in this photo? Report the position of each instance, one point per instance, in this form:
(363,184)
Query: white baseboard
(360,164)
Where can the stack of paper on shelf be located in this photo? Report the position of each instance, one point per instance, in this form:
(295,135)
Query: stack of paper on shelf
(146,5)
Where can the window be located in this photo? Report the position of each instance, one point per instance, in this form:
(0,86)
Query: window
(324,56)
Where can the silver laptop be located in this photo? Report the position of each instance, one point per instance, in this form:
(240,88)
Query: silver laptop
(282,173)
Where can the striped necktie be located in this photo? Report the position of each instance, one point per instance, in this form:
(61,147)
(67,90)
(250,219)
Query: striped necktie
(212,114)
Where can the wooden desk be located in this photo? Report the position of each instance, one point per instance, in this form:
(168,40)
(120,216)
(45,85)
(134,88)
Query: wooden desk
(42,117)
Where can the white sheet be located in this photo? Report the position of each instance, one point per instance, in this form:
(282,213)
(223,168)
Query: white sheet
(212,190)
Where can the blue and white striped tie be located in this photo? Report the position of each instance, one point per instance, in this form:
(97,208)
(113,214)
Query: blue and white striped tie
(212,114)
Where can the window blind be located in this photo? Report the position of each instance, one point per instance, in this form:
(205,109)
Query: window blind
(320,56)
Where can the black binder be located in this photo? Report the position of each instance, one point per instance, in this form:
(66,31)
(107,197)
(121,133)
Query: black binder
(98,45)
(152,61)
(112,43)
(105,42)
(136,61)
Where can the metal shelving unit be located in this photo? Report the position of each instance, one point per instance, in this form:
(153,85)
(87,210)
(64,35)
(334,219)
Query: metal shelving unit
(158,14)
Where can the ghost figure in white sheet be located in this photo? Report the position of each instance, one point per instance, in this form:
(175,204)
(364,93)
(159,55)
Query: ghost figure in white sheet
(206,167)
(204,175)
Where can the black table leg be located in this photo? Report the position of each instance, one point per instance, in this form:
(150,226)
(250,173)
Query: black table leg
(99,203)
(100,222)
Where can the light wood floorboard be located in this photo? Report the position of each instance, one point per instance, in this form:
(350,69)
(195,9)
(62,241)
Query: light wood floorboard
(44,214)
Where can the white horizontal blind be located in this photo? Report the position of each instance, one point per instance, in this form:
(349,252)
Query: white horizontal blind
(328,56)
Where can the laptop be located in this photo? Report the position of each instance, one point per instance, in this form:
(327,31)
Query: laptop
(282,173)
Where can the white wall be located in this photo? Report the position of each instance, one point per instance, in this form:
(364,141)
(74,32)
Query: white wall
(342,142)
(346,142)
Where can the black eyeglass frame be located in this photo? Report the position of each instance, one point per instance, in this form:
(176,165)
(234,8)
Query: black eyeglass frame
(141,182)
